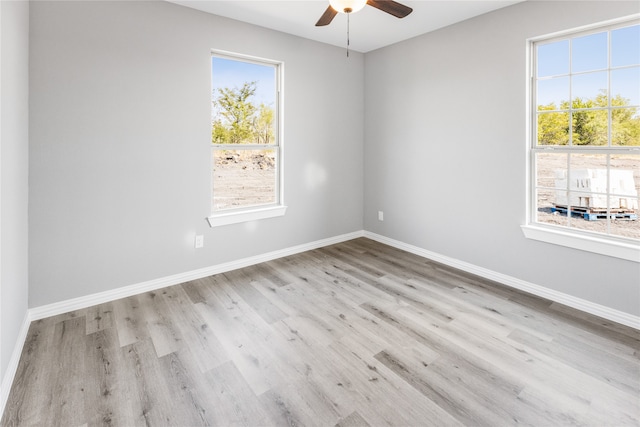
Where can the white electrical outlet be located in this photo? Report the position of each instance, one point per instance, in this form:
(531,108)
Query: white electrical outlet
(199,241)
(380,216)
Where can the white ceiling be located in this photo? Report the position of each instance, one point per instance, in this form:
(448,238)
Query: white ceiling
(370,28)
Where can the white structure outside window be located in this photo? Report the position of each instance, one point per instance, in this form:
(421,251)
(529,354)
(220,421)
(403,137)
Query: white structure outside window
(246,139)
(584,148)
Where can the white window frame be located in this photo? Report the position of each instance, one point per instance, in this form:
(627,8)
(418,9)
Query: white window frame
(264,211)
(613,246)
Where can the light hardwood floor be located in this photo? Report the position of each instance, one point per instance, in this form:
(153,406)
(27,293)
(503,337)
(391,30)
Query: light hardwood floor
(353,334)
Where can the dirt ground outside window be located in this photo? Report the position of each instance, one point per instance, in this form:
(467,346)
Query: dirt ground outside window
(549,162)
(244,178)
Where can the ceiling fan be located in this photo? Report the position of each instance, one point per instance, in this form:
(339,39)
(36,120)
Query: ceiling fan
(351,6)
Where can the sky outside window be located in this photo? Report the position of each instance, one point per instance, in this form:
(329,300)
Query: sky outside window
(585,57)
(625,46)
(229,73)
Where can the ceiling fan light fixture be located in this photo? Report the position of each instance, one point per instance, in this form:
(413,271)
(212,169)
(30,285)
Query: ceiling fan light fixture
(347,6)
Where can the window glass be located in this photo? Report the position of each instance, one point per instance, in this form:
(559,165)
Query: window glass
(627,180)
(625,86)
(590,127)
(589,90)
(243,178)
(553,58)
(547,211)
(625,46)
(589,53)
(553,92)
(245,142)
(585,164)
(625,130)
(551,169)
(553,128)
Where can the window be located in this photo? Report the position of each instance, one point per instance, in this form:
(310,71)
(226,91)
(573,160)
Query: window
(246,149)
(585,139)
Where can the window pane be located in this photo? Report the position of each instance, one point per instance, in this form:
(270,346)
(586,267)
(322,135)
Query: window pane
(589,53)
(625,86)
(625,126)
(243,178)
(590,127)
(624,202)
(553,94)
(551,170)
(589,90)
(593,219)
(625,175)
(553,128)
(588,175)
(587,161)
(553,59)
(626,224)
(546,211)
(625,46)
(244,102)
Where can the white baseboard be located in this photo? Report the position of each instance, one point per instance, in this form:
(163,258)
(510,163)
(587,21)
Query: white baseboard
(12,368)
(151,285)
(559,297)
(123,292)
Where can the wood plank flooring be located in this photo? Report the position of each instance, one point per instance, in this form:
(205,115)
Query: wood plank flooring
(355,334)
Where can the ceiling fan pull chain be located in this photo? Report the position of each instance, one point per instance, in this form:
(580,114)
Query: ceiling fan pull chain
(348,34)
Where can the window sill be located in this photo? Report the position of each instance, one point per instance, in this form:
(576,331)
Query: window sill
(235,217)
(602,246)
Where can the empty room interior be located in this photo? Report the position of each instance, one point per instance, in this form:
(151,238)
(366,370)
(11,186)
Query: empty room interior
(446,231)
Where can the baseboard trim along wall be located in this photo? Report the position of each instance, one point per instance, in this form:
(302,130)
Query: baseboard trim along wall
(555,296)
(559,297)
(151,285)
(12,367)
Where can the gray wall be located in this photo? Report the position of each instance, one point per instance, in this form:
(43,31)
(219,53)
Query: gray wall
(14,143)
(445,150)
(119,144)
(119,156)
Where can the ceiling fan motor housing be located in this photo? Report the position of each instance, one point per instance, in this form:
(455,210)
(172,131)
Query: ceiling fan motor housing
(347,6)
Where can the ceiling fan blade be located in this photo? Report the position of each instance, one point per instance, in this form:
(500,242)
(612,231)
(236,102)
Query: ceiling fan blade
(326,17)
(391,7)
